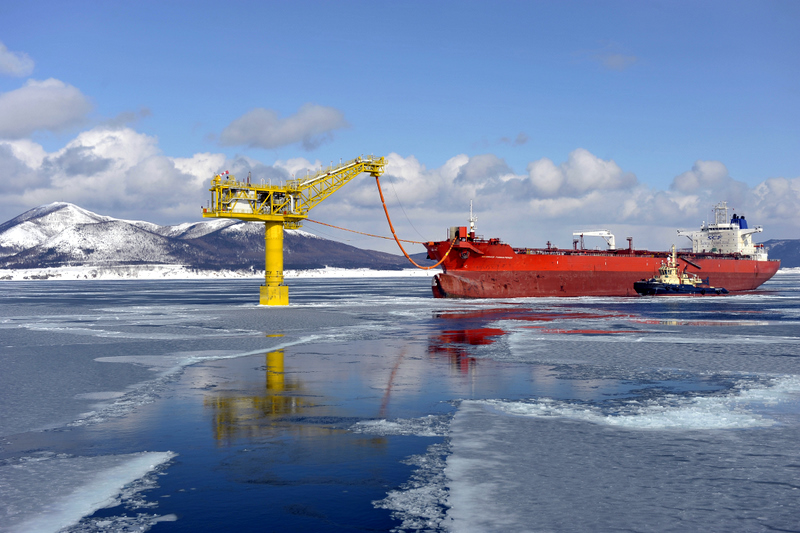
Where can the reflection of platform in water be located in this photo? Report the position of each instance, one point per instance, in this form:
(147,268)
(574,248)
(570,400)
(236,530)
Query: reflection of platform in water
(248,415)
(282,407)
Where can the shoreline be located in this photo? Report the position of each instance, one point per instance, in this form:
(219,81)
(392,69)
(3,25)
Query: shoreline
(178,272)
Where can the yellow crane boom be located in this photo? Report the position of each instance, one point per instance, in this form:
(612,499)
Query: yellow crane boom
(282,206)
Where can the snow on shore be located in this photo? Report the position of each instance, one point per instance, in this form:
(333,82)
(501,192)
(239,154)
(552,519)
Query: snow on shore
(182,272)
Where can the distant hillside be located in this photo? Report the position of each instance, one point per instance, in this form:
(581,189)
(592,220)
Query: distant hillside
(63,234)
(787,250)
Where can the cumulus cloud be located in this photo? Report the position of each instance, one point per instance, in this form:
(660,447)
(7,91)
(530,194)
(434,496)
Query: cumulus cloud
(482,170)
(14,171)
(298,166)
(242,166)
(117,172)
(30,153)
(579,187)
(202,165)
(49,105)
(711,179)
(550,202)
(703,175)
(14,63)
(582,172)
(123,173)
(778,199)
(409,183)
(312,126)
(78,160)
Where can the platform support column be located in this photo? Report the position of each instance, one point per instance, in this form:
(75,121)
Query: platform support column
(274,292)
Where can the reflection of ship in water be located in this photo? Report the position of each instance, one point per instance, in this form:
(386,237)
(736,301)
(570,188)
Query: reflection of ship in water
(453,344)
(238,414)
(464,329)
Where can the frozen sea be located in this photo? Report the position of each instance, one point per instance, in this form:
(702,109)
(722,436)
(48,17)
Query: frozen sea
(367,405)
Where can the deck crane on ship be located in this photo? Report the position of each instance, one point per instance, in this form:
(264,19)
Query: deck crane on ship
(282,206)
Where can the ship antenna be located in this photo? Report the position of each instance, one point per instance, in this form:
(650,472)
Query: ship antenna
(472,220)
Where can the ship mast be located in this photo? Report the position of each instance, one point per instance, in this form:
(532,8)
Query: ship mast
(472,221)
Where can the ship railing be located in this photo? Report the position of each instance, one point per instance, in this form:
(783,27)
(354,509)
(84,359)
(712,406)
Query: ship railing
(623,252)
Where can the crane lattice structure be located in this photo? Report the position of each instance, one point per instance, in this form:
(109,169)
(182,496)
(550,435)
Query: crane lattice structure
(282,206)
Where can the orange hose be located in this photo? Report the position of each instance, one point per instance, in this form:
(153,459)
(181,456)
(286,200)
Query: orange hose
(389,220)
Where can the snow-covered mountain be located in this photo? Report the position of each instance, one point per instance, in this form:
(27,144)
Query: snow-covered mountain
(62,234)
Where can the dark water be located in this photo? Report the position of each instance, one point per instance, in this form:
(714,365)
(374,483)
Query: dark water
(366,405)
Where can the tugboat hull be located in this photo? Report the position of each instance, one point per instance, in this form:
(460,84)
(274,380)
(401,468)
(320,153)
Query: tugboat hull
(651,288)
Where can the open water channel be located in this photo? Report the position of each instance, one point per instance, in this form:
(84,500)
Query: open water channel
(367,405)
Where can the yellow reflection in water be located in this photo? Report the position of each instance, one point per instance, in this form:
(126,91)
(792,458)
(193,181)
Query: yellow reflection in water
(238,414)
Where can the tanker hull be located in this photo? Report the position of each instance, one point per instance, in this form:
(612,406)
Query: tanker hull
(490,269)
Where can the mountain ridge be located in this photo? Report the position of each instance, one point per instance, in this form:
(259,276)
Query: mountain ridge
(787,250)
(62,234)
(66,235)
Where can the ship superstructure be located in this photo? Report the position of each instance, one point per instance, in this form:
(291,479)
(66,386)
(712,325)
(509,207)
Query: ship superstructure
(726,236)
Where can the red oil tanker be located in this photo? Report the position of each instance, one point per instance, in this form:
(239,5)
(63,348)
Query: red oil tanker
(722,251)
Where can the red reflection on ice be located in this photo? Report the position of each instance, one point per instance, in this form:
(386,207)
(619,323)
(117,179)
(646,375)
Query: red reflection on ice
(452,344)
(489,315)
(703,323)
(585,331)
(471,336)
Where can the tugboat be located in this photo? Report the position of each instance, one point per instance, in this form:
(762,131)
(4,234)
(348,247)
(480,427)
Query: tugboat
(671,282)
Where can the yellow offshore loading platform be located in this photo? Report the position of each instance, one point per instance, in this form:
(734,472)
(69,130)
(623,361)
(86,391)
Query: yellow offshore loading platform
(279,207)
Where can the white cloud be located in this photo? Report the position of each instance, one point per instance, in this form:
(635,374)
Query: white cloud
(298,166)
(582,172)
(549,203)
(546,178)
(778,199)
(14,63)
(125,146)
(123,173)
(50,105)
(703,175)
(410,183)
(27,151)
(204,165)
(311,126)
(117,172)
(481,170)
(15,172)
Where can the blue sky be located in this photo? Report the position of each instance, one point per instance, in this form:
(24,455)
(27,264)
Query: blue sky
(552,116)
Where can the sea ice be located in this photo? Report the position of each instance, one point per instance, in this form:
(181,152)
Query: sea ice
(48,492)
